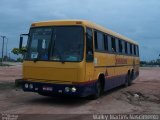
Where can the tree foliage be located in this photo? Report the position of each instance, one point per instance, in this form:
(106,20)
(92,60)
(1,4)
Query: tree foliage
(152,62)
(18,51)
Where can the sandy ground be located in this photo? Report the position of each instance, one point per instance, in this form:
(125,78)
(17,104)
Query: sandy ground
(143,97)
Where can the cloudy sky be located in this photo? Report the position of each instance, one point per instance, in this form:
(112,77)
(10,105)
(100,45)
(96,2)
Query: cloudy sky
(136,19)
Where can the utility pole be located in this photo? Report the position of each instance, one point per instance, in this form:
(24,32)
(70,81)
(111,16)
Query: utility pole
(2,48)
(9,56)
(6,49)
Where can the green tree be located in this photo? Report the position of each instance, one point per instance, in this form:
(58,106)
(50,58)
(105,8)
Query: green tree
(19,60)
(18,51)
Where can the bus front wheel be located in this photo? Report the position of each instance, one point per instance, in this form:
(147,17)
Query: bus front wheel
(98,89)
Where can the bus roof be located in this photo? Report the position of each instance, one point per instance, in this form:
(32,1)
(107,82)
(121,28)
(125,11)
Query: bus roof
(82,22)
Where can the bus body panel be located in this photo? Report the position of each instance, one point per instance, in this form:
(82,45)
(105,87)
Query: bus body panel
(53,72)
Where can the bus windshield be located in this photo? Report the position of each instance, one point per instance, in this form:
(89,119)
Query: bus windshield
(59,43)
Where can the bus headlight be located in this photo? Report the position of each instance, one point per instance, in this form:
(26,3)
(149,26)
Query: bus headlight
(73,89)
(31,86)
(67,89)
(26,85)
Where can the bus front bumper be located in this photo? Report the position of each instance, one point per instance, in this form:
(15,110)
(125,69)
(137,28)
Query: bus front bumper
(49,89)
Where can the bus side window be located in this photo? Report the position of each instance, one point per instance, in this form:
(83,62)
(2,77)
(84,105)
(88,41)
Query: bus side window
(89,45)
(123,46)
(131,52)
(137,51)
(106,42)
(109,44)
(100,41)
(128,47)
(120,46)
(134,49)
(117,46)
(113,44)
(95,40)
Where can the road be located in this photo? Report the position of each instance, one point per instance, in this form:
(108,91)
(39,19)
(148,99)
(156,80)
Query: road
(143,97)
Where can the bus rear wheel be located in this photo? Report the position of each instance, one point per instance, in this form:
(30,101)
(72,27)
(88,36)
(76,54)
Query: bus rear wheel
(128,80)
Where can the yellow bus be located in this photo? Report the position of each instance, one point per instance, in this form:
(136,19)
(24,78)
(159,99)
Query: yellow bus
(78,58)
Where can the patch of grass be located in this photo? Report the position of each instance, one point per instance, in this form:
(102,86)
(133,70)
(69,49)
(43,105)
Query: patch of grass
(7,85)
(4,65)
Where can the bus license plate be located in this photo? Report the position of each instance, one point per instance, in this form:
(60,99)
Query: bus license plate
(47,89)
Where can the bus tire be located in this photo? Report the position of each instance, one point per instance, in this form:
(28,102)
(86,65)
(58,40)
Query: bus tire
(126,81)
(129,80)
(132,75)
(98,88)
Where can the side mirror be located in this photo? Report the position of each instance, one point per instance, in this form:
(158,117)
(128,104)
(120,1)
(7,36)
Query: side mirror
(20,42)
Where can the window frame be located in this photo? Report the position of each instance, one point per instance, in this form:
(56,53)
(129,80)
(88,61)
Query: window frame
(90,29)
(96,41)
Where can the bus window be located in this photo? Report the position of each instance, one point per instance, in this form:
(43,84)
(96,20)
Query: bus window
(70,51)
(106,42)
(100,41)
(123,47)
(131,50)
(137,51)
(126,48)
(89,45)
(113,44)
(117,46)
(120,46)
(109,44)
(39,44)
(95,40)
(134,49)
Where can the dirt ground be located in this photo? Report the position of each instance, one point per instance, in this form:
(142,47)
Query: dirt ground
(143,97)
